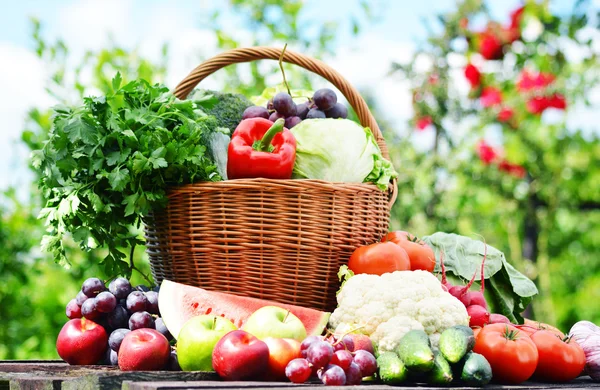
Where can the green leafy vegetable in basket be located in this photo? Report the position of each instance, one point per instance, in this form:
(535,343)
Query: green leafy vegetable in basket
(339,150)
(227,108)
(109,162)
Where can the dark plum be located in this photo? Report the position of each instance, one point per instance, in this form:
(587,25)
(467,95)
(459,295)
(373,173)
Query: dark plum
(337,111)
(120,288)
(315,113)
(92,287)
(284,104)
(325,98)
(255,112)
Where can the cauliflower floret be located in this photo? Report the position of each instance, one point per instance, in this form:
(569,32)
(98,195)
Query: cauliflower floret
(388,334)
(386,307)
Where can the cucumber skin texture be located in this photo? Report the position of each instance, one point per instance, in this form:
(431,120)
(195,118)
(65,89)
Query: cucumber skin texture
(476,370)
(456,342)
(415,351)
(441,374)
(391,370)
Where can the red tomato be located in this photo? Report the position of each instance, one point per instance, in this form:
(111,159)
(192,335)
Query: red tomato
(511,353)
(378,259)
(421,256)
(560,360)
(542,326)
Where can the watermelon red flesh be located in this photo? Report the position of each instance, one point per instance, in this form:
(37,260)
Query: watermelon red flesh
(179,302)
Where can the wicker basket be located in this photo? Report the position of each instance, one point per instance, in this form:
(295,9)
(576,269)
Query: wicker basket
(282,240)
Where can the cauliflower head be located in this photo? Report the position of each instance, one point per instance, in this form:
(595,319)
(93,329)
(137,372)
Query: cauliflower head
(387,307)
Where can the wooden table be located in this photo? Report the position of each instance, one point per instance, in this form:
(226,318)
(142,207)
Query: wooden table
(56,375)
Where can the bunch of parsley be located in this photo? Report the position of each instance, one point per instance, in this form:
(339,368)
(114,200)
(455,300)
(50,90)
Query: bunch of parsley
(109,162)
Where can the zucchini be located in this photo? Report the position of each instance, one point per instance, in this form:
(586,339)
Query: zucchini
(476,370)
(441,374)
(456,342)
(415,351)
(391,369)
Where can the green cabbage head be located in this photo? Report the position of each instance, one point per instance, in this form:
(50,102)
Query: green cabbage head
(339,150)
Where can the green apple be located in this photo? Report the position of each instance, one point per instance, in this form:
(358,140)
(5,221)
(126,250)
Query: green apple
(198,338)
(273,321)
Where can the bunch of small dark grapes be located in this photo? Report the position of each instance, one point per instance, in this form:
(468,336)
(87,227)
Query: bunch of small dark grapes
(336,362)
(120,308)
(323,104)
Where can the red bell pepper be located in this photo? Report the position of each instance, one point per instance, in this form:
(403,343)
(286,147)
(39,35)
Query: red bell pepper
(261,148)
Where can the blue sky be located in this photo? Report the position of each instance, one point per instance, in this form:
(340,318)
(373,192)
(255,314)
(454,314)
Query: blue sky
(87,24)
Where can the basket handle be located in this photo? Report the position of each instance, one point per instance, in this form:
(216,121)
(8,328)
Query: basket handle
(249,54)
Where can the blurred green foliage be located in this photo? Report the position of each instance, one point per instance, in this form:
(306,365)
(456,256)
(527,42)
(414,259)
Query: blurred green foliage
(443,188)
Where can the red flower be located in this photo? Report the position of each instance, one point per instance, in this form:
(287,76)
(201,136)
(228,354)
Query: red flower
(505,114)
(491,96)
(473,75)
(434,78)
(557,101)
(530,81)
(516,16)
(515,170)
(424,122)
(487,153)
(490,45)
(513,31)
(463,23)
(537,104)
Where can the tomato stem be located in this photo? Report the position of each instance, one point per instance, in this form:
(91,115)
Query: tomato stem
(509,334)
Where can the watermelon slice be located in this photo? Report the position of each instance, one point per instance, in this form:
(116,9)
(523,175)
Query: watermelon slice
(179,302)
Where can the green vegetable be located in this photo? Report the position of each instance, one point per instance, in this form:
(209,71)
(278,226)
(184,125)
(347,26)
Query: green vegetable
(441,374)
(415,351)
(456,342)
(339,150)
(227,108)
(109,162)
(476,370)
(391,369)
(508,291)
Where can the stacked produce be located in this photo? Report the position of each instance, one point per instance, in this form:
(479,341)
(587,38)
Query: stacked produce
(444,309)
(116,326)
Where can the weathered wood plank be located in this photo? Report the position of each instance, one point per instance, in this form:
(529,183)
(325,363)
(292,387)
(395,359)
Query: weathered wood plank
(580,383)
(38,383)
(171,385)
(114,380)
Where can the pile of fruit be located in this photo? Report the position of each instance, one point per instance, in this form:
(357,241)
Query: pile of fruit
(107,326)
(391,325)
(323,104)
(404,314)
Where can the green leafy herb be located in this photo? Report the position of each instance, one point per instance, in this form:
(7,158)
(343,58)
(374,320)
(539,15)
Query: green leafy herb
(509,290)
(110,162)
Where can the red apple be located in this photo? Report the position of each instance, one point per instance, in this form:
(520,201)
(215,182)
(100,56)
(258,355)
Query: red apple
(239,356)
(81,341)
(144,350)
(281,352)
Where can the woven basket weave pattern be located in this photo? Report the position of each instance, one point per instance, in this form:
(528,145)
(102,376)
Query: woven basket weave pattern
(282,240)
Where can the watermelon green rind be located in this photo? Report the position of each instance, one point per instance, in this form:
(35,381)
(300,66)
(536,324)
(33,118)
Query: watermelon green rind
(179,302)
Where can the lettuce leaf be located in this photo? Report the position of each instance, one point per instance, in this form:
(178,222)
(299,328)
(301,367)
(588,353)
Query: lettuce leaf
(507,290)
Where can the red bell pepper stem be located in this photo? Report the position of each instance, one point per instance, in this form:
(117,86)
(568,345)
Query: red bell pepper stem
(265,142)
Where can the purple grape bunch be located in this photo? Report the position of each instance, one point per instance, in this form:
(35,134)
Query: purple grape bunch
(334,361)
(323,104)
(119,308)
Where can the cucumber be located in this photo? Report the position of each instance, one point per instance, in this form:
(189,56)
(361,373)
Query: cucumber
(391,369)
(415,351)
(456,342)
(441,374)
(476,370)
